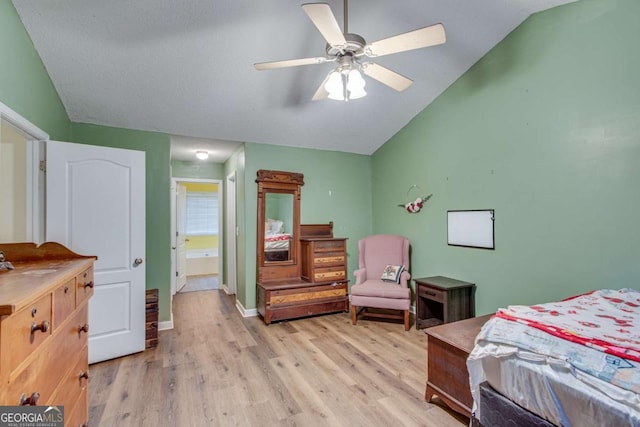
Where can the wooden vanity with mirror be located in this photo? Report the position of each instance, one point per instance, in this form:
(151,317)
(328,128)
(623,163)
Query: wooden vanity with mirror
(301,269)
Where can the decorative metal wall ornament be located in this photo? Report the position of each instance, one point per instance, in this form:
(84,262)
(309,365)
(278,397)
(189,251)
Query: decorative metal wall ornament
(415,205)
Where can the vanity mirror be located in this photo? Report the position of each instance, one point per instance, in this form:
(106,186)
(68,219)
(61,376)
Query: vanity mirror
(278,224)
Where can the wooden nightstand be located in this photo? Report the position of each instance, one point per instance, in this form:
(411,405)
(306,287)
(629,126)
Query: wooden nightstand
(442,300)
(448,347)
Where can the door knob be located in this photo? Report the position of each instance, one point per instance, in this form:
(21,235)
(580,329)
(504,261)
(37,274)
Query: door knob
(138,261)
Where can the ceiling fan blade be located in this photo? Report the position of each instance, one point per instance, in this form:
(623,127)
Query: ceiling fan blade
(416,39)
(290,63)
(321,93)
(324,19)
(384,75)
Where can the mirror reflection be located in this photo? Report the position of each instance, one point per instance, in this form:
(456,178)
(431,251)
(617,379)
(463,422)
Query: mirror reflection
(278,234)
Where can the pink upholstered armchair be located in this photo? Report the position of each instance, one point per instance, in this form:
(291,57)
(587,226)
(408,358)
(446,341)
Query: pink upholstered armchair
(370,291)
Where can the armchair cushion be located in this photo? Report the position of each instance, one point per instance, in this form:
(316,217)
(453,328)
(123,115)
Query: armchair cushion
(379,289)
(392,273)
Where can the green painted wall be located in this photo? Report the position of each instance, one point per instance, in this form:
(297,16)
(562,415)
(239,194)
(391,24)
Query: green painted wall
(158,239)
(337,188)
(199,170)
(545,129)
(25,86)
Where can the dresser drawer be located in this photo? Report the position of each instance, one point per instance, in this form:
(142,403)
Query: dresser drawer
(84,285)
(26,330)
(73,382)
(328,274)
(48,367)
(307,294)
(64,302)
(329,259)
(328,246)
(432,294)
(77,415)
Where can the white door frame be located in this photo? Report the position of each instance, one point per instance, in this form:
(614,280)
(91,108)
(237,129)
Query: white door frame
(174,243)
(231,286)
(36,138)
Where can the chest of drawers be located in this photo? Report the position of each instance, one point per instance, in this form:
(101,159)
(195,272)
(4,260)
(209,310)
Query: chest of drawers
(324,259)
(44,328)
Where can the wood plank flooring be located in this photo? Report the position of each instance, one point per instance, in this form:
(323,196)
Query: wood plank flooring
(216,368)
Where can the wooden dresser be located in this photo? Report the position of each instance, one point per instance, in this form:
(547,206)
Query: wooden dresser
(322,286)
(43,328)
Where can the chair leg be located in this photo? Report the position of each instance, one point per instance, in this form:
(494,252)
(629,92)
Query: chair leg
(354,315)
(406,320)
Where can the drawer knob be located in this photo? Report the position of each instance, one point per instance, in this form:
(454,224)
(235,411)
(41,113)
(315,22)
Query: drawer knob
(83,328)
(42,326)
(66,289)
(88,285)
(83,375)
(31,400)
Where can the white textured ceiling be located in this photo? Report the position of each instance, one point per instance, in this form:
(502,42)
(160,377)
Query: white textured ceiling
(186,67)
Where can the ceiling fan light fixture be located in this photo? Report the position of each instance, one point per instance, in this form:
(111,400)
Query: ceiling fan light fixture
(202,155)
(355,84)
(335,86)
(347,49)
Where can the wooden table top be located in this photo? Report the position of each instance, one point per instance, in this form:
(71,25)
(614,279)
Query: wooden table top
(460,334)
(444,283)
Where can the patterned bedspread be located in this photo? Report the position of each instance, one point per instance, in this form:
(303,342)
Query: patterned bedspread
(607,320)
(597,333)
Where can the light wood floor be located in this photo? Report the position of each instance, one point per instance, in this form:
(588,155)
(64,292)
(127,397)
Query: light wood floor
(201,283)
(216,368)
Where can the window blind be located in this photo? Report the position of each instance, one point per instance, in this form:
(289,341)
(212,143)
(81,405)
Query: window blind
(202,213)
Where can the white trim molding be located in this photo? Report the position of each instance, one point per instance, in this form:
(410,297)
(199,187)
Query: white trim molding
(32,131)
(253,312)
(166,325)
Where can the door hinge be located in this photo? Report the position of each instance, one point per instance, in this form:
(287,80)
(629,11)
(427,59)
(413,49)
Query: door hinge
(176,274)
(43,165)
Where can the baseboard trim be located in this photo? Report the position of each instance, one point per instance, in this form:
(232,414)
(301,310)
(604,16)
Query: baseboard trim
(166,324)
(253,312)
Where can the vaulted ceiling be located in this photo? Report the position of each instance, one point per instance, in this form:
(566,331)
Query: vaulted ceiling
(186,68)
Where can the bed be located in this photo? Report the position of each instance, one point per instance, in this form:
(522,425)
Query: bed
(276,241)
(574,362)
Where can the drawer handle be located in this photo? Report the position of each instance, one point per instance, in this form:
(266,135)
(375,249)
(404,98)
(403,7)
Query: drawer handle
(431,294)
(42,327)
(88,285)
(83,328)
(66,289)
(29,401)
(83,375)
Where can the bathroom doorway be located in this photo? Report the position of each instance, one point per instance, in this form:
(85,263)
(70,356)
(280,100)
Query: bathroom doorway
(198,223)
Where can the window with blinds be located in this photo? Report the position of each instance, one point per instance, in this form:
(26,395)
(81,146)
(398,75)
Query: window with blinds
(202,213)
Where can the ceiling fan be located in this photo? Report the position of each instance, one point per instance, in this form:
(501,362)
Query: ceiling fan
(348,50)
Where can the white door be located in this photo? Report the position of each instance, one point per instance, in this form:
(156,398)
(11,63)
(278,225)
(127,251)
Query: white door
(181,236)
(232,234)
(95,205)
